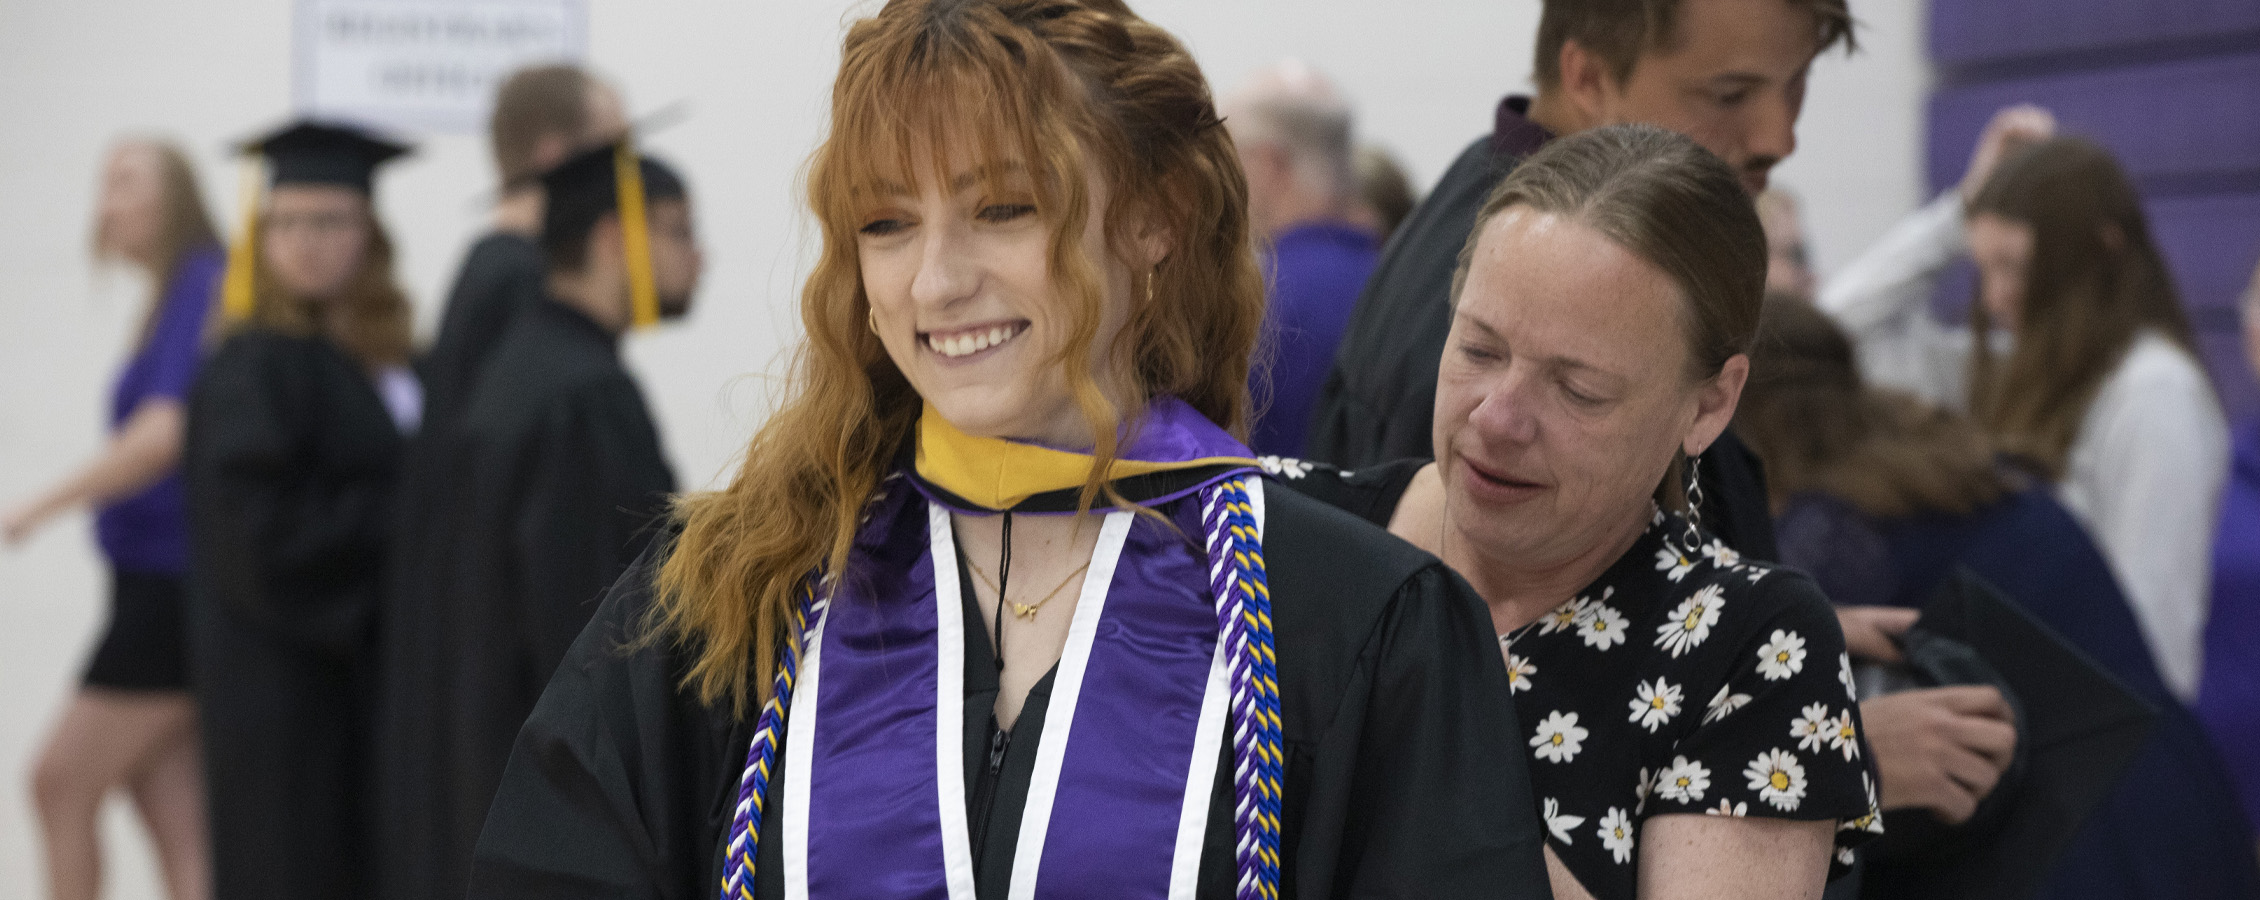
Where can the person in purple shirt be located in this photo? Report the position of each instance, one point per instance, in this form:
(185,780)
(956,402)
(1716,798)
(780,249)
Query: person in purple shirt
(1293,132)
(2228,692)
(133,722)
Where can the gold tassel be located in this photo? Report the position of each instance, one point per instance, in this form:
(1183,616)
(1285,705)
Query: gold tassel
(635,235)
(235,287)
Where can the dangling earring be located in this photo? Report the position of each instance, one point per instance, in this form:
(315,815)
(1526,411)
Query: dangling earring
(1152,277)
(1694,500)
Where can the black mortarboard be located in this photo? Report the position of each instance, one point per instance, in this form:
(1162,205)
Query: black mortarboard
(2078,727)
(599,181)
(308,152)
(302,152)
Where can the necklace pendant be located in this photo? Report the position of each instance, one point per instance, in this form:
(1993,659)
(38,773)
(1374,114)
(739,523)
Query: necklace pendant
(1022,610)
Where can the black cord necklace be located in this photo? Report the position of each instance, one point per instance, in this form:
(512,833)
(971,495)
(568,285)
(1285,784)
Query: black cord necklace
(1004,579)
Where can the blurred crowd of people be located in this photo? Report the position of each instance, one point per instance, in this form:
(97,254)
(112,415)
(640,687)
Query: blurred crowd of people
(1593,371)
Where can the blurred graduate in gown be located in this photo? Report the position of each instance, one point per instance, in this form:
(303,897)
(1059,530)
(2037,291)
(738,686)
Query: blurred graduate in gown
(551,478)
(295,430)
(542,115)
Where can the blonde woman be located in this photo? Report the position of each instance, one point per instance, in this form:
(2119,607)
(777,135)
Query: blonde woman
(132,724)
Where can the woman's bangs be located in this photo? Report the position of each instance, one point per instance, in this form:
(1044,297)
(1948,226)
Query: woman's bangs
(897,129)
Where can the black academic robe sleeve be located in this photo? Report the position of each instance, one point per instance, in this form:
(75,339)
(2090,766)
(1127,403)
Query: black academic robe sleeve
(1420,720)
(289,498)
(595,481)
(1405,772)
(616,787)
(502,274)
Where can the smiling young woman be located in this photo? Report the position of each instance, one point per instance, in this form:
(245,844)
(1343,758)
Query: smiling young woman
(999,604)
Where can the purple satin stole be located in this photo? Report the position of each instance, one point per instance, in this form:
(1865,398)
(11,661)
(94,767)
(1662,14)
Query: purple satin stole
(874,794)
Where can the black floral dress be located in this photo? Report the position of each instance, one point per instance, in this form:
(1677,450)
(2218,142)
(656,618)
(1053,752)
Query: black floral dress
(1686,679)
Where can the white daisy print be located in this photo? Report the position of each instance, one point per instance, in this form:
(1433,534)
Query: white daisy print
(1684,782)
(1721,555)
(1691,621)
(1284,467)
(1640,791)
(1813,728)
(1560,823)
(1870,821)
(1778,778)
(1782,656)
(1844,675)
(1603,627)
(1655,703)
(1844,736)
(1723,704)
(1565,616)
(1519,671)
(1558,738)
(1670,562)
(1756,571)
(1616,834)
(1728,808)
(1844,856)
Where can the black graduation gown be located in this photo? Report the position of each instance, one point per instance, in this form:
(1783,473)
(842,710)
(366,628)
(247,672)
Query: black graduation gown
(552,477)
(1393,701)
(289,464)
(502,273)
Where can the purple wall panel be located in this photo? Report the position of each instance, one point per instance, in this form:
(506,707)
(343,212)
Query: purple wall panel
(2178,126)
(2232,374)
(1967,32)
(2211,244)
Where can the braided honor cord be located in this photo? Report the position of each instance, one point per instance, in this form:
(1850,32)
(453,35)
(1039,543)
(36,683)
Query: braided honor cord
(1243,609)
(753,786)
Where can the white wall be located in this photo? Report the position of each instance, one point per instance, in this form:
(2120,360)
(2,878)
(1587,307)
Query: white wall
(75,74)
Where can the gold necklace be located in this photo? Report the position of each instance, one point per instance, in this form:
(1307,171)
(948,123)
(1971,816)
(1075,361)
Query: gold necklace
(1025,610)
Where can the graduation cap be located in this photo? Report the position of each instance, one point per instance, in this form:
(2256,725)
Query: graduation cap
(308,152)
(2078,727)
(302,152)
(602,180)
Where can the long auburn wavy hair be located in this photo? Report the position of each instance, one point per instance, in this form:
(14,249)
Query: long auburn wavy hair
(2095,281)
(1074,91)
(370,319)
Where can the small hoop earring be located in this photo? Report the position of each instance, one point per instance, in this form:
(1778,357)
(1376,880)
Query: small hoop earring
(1152,277)
(872,319)
(1694,500)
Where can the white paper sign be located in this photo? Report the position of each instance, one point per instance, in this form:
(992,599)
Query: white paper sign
(425,65)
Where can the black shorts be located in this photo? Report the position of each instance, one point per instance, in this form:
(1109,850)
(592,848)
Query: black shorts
(146,645)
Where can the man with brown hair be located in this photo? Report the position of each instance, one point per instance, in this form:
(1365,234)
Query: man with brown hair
(1728,73)
(542,116)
